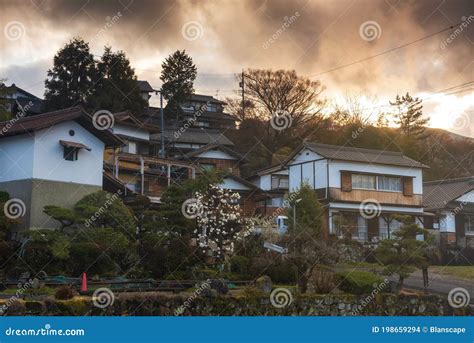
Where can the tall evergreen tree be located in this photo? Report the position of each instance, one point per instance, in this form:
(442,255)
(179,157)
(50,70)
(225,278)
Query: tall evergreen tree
(117,86)
(178,75)
(409,115)
(72,77)
(5,103)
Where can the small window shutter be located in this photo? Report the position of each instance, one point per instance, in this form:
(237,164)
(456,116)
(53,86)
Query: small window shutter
(346,181)
(408,186)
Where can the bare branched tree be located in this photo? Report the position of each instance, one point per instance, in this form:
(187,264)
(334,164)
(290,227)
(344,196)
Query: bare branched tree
(283,90)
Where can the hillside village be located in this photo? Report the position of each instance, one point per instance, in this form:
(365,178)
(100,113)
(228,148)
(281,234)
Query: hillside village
(95,183)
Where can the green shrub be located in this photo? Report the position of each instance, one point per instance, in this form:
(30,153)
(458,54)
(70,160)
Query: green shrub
(283,273)
(240,265)
(64,293)
(4,196)
(358,282)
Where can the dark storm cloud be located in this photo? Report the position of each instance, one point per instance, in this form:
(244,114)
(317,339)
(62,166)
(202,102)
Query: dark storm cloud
(307,35)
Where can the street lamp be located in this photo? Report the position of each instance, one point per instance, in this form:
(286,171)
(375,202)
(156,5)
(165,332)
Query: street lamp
(294,212)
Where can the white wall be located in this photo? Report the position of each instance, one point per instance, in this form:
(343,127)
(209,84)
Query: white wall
(447,222)
(335,168)
(266,182)
(216,154)
(130,131)
(16,157)
(49,163)
(230,183)
(468,197)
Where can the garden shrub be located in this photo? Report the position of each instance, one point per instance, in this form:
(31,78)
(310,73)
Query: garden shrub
(4,196)
(358,282)
(282,272)
(64,293)
(240,265)
(87,256)
(322,280)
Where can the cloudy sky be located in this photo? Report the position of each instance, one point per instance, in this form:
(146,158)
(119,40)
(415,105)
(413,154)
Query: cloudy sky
(319,39)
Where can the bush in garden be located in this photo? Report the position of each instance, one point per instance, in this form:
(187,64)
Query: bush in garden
(283,272)
(88,257)
(358,282)
(322,280)
(240,265)
(65,293)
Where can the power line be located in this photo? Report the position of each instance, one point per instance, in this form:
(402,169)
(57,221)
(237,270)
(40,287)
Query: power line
(385,52)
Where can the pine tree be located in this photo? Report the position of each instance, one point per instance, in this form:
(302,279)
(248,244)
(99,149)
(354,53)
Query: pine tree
(117,88)
(409,115)
(72,77)
(178,75)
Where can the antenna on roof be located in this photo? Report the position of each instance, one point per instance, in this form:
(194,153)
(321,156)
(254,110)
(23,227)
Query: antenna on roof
(217,94)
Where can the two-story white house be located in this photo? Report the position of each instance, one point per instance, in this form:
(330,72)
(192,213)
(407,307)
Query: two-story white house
(360,189)
(54,158)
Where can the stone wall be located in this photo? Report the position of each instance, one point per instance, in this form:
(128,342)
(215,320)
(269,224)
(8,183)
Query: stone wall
(160,304)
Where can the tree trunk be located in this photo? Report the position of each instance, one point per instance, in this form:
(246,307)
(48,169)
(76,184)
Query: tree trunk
(400,283)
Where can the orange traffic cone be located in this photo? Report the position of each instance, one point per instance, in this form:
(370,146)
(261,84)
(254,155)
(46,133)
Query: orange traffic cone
(84,282)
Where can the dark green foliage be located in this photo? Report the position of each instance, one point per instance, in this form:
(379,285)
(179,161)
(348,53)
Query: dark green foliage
(178,75)
(308,215)
(283,272)
(403,254)
(102,209)
(63,215)
(409,115)
(88,257)
(72,77)
(359,282)
(240,265)
(117,88)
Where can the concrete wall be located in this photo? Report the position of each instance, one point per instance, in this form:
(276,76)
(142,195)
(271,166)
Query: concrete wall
(38,193)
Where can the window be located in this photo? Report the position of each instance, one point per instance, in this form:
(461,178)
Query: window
(131,148)
(362,181)
(70,154)
(469,225)
(279,182)
(389,183)
(211,108)
(378,182)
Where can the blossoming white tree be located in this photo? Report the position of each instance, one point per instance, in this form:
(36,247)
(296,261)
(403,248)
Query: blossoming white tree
(220,222)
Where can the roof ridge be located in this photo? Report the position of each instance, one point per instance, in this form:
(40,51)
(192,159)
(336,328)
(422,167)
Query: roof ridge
(398,153)
(48,114)
(443,181)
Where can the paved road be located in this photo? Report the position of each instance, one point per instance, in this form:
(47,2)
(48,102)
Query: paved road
(439,284)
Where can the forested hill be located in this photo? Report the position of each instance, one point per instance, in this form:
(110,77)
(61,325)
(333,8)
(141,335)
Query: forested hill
(447,154)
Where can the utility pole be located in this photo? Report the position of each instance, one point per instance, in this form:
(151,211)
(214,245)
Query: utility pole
(162,119)
(242,85)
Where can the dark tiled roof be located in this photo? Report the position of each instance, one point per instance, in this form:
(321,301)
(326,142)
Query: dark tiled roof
(345,153)
(205,98)
(196,136)
(438,194)
(45,120)
(144,86)
(127,118)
